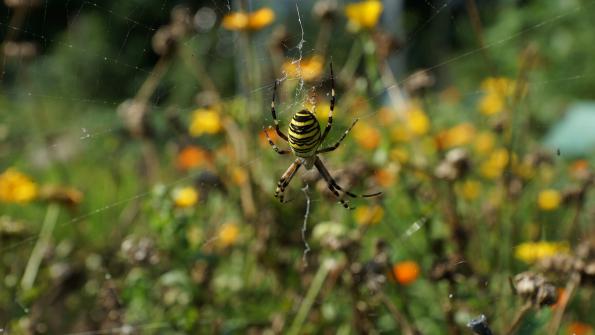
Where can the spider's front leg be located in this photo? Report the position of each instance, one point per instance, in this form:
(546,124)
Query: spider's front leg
(275,147)
(279,132)
(286,178)
(329,123)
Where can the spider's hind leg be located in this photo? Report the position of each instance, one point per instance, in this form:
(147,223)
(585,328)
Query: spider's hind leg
(335,188)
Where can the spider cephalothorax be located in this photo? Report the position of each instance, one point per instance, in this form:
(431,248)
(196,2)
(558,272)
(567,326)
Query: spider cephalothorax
(304,140)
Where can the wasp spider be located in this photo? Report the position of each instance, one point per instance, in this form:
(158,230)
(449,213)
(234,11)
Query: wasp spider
(304,141)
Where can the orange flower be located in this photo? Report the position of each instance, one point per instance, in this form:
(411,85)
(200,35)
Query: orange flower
(241,21)
(458,135)
(249,21)
(562,296)
(263,137)
(309,68)
(228,234)
(368,215)
(406,272)
(366,136)
(386,177)
(579,328)
(579,169)
(497,91)
(417,121)
(239,175)
(192,157)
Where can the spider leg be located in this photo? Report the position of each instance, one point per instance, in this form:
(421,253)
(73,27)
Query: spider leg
(275,147)
(336,145)
(279,132)
(330,182)
(286,178)
(329,124)
(334,187)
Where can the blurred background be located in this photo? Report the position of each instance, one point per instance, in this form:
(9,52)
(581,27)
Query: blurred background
(137,182)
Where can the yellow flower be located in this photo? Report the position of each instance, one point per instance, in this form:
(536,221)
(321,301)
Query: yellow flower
(484,142)
(400,134)
(239,175)
(228,234)
(530,252)
(204,121)
(417,120)
(458,135)
(309,68)
(185,197)
(491,104)
(241,21)
(16,187)
(366,135)
(497,90)
(493,167)
(469,189)
(500,85)
(400,155)
(368,215)
(363,14)
(524,169)
(549,200)
(406,272)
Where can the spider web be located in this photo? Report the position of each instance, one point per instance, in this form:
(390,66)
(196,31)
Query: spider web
(88,133)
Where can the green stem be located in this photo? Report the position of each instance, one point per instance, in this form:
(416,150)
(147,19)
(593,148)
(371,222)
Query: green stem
(306,305)
(40,247)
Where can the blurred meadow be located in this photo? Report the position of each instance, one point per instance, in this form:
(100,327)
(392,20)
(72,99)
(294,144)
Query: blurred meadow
(137,184)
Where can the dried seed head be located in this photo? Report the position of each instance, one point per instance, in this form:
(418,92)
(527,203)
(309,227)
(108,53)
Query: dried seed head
(139,251)
(558,264)
(419,80)
(534,287)
(449,269)
(454,166)
(585,253)
(386,44)
(164,42)
(133,114)
(22,3)
(573,195)
(19,50)
(325,10)
(280,39)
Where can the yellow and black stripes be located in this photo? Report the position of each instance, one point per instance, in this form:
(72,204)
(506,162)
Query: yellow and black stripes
(304,139)
(304,134)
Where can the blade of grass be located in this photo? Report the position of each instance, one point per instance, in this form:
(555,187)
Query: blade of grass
(40,247)
(308,301)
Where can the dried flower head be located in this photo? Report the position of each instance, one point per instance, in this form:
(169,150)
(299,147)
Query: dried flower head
(535,288)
